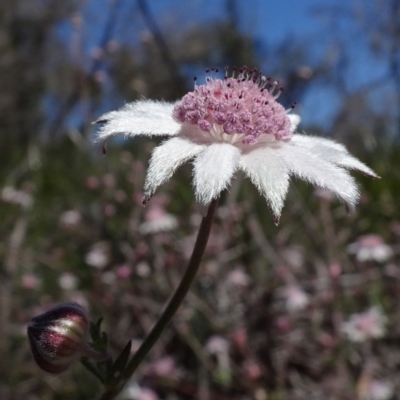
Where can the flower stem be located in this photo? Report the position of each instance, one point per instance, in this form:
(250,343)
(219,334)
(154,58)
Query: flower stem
(174,302)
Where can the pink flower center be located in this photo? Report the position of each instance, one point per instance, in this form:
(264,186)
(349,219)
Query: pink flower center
(243,106)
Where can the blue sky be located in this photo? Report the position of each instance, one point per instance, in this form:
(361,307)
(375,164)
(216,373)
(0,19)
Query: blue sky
(273,21)
(270,22)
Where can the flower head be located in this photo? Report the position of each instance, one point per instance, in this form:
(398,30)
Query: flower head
(296,298)
(230,124)
(370,248)
(367,325)
(378,390)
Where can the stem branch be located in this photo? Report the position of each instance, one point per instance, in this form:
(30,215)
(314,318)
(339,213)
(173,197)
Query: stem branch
(174,302)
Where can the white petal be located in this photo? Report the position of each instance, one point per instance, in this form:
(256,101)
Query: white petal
(333,152)
(145,117)
(165,159)
(321,172)
(312,141)
(213,170)
(269,174)
(294,120)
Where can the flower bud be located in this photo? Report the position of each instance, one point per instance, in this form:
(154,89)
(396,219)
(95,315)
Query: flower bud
(58,337)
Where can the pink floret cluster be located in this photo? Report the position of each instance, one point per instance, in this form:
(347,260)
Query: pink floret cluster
(243,105)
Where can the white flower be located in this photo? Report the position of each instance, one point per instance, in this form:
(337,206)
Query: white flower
(99,255)
(70,219)
(11,195)
(296,298)
(370,248)
(158,220)
(367,325)
(68,281)
(230,124)
(133,391)
(378,390)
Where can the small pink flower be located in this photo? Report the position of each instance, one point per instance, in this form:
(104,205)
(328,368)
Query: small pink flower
(218,347)
(123,271)
(217,344)
(364,326)
(68,281)
(240,338)
(164,366)
(92,182)
(134,392)
(294,257)
(147,394)
(158,220)
(11,195)
(370,248)
(379,390)
(30,281)
(70,219)
(327,340)
(375,389)
(335,270)
(108,180)
(283,324)
(238,278)
(143,269)
(296,298)
(252,370)
(99,255)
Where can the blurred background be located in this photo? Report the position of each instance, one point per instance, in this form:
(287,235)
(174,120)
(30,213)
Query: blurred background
(306,310)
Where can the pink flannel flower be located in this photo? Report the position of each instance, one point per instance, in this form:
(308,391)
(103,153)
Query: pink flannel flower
(234,124)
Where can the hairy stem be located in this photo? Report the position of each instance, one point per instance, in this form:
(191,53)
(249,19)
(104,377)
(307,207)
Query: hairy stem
(174,302)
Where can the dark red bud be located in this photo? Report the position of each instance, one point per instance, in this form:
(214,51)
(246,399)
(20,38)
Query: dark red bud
(58,337)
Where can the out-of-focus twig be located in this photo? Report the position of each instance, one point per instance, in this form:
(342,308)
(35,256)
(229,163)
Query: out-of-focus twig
(69,104)
(11,263)
(168,59)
